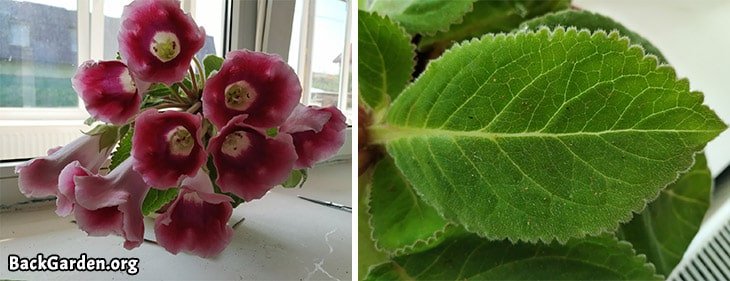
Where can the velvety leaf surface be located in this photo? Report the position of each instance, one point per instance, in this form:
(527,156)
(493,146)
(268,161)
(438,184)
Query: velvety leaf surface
(212,63)
(545,135)
(423,16)
(492,17)
(386,59)
(155,199)
(664,230)
(474,258)
(123,150)
(401,221)
(367,254)
(592,21)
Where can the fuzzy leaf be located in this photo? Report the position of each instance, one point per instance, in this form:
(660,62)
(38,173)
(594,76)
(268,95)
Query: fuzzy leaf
(386,59)
(212,63)
(592,21)
(423,16)
(401,221)
(524,136)
(156,199)
(664,230)
(296,179)
(123,150)
(368,254)
(492,17)
(159,90)
(474,258)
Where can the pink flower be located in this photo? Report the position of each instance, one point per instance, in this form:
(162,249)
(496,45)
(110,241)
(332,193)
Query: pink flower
(196,221)
(39,177)
(167,146)
(157,40)
(258,84)
(249,163)
(112,204)
(109,91)
(66,196)
(318,133)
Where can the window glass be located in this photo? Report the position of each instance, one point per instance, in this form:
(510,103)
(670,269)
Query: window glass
(38,53)
(328,45)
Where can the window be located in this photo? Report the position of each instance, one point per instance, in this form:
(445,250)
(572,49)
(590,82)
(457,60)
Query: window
(320,52)
(19,35)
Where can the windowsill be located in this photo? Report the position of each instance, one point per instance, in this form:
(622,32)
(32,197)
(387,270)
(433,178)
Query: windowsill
(312,241)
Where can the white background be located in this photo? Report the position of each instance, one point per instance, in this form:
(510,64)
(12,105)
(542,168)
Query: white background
(694,36)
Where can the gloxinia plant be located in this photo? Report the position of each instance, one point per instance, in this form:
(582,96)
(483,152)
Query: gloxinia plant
(191,139)
(523,140)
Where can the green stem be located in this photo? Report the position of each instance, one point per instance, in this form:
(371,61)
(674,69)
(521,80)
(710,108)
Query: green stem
(187,91)
(200,72)
(193,79)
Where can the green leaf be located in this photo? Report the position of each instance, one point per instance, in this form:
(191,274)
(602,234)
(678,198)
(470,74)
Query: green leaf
(386,59)
(401,221)
(368,254)
(664,230)
(272,132)
(89,121)
(474,258)
(492,17)
(296,178)
(123,150)
(423,16)
(156,198)
(159,90)
(545,135)
(108,135)
(592,21)
(212,63)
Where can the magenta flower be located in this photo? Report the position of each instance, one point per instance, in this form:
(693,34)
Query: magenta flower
(249,162)
(315,140)
(167,146)
(197,221)
(258,84)
(39,177)
(157,40)
(112,204)
(110,93)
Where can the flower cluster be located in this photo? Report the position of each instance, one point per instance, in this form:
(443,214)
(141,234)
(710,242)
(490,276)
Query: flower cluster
(211,136)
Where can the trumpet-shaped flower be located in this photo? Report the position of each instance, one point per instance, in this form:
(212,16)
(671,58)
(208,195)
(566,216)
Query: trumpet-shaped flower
(260,85)
(110,93)
(39,177)
(111,204)
(250,163)
(197,221)
(157,40)
(167,146)
(318,133)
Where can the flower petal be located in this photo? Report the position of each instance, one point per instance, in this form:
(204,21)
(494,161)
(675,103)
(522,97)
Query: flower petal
(122,189)
(167,146)
(66,196)
(313,146)
(249,163)
(305,118)
(157,40)
(258,84)
(108,90)
(197,221)
(39,177)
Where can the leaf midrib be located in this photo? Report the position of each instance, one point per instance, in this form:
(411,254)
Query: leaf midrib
(388,133)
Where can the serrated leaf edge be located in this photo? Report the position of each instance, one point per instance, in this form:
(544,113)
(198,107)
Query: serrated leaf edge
(382,109)
(443,29)
(551,32)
